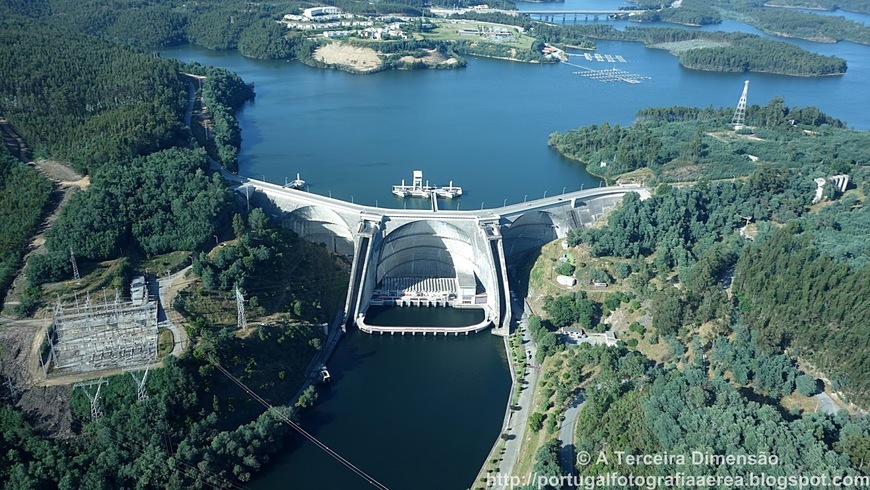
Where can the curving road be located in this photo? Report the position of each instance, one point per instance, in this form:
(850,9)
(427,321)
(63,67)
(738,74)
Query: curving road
(566,435)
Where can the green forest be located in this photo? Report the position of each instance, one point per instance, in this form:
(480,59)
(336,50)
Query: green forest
(87,101)
(797,297)
(24,194)
(798,287)
(678,143)
(640,408)
(850,5)
(195,430)
(731,51)
(691,12)
(804,25)
(152,205)
(795,323)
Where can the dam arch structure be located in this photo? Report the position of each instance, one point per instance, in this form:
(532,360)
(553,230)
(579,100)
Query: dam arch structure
(403,256)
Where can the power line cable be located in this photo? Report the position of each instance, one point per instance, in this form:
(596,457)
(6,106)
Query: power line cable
(362,474)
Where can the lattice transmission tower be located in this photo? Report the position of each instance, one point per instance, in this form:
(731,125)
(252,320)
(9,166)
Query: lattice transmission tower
(96,411)
(739,118)
(72,259)
(141,393)
(240,306)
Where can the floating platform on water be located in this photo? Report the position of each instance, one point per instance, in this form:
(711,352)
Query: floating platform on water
(419,189)
(612,75)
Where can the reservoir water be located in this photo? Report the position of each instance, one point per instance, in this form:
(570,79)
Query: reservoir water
(422,412)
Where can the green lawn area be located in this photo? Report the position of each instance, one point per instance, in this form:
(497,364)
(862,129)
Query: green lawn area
(448,30)
(165,342)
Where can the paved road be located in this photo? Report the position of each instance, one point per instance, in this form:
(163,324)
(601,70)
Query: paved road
(168,317)
(519,419)
(826,404)
(566,435)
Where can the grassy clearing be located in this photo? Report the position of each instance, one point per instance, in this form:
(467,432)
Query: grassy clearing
(166,263)
(449,30)
(110,275)
(681,46)
(165,342)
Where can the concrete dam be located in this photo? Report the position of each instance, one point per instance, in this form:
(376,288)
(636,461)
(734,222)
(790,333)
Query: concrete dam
(432,257)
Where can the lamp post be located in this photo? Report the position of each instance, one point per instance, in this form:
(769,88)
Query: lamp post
(525,197)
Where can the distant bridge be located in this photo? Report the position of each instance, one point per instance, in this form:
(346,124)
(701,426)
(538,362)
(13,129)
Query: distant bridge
(553,14)
(391,246)
(577,12)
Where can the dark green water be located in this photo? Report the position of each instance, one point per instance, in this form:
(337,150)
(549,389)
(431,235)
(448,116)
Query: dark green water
(413,412)
(425,316)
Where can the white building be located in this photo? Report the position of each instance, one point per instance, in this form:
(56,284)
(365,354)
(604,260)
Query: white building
(314,12)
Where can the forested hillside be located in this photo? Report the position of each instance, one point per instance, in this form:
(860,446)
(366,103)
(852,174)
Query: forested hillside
(679,143)
(799,288)
(691,12)
(709,364)
(117,113)
(151,205)
(850,5)
(796,296)
(231,24)
(759,55)
(23,197)
(729,51)
(641,409)
(86,101)
(804,25)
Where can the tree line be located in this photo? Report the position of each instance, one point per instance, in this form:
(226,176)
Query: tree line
(797,297)
(232,24)
(24,194)
(86,101)
(740,51)
(222,93)
(794,23)
(668,139)
(690,12)
(759,55)
(155,204)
